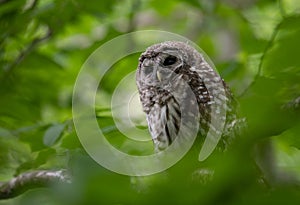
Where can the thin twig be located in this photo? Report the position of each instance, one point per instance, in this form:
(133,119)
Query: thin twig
(26,52)
(267,48)
(262,58)
(281,8)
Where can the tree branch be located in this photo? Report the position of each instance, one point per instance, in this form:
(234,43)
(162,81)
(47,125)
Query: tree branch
(27,51)
(293,104)
(31,180)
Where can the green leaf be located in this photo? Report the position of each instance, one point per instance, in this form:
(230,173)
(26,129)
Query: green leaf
(291,136)
(41,159)
(5,133)
(282,59)
(44,156)
(71,141)
(263,19)
(52,134)
(165,8)
(263,107)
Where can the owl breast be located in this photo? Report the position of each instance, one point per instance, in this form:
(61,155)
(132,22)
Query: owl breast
(164,123)
(164,109)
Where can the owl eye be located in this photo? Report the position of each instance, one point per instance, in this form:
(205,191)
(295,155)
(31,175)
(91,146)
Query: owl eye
(170,60)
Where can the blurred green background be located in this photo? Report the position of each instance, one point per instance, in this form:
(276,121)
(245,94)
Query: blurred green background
(254,44)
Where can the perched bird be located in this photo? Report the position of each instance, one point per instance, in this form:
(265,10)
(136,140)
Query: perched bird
(166,72)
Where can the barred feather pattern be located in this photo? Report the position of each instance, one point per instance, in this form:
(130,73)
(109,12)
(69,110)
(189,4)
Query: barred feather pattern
(162,68)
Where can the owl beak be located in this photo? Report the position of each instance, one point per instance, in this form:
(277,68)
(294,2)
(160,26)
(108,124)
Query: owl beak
(158,75)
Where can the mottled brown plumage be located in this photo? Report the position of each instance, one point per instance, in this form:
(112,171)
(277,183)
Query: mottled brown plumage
(171,69)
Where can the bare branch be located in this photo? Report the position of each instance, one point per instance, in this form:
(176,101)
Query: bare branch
(31,180)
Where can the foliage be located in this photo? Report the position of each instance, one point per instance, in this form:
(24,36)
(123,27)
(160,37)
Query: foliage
(254,45)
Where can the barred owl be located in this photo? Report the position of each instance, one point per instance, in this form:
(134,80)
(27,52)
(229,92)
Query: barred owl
(160,70)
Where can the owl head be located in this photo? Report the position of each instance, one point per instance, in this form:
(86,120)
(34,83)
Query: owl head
(161,63)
